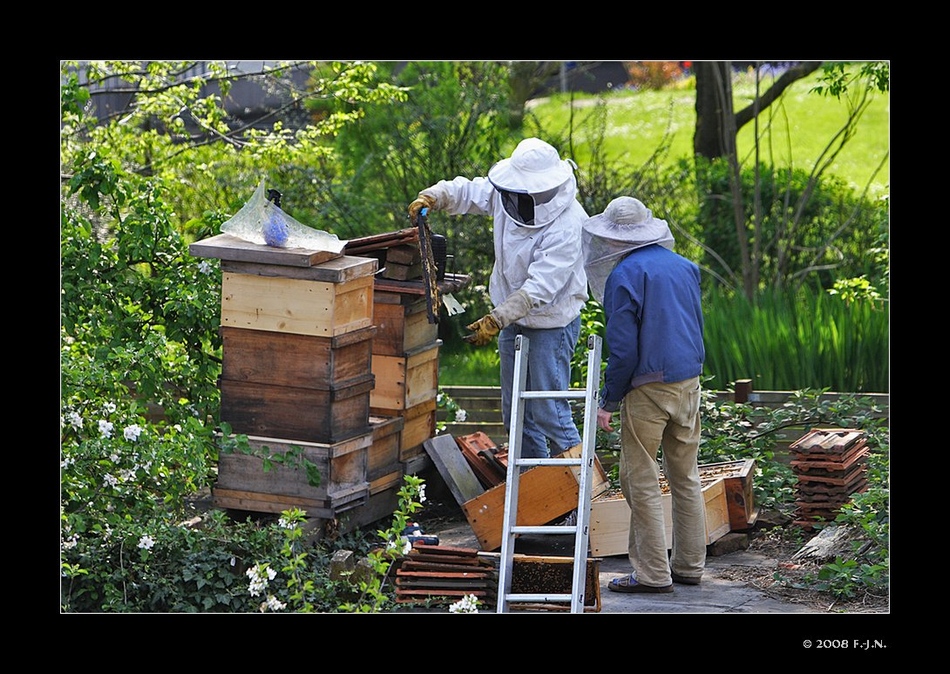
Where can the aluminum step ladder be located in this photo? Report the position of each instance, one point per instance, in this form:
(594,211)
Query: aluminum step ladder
(581,530)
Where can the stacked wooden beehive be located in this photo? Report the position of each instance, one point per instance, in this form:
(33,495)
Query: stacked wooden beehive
(297,332)
(406,367)
(831,465)
(323,367)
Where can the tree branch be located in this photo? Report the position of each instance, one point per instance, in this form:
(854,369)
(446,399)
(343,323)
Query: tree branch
(790,76)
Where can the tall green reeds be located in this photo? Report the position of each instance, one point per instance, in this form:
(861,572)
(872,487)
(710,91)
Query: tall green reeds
(788,342)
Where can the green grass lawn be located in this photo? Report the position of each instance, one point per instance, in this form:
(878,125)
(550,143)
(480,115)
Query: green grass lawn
(795,131)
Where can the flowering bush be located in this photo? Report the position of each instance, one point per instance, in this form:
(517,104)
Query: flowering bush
(452,410)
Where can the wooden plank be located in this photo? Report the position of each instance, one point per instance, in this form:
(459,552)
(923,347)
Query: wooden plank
(453,468)
(229,247)
(266,503)
(385,240)
(408,380)
(337,270)
(451,283)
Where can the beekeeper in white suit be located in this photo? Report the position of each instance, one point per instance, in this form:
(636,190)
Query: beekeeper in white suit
(537,285)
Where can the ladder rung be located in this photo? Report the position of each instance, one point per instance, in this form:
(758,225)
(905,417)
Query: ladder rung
(555,461)
(553,394)
(538,598)
(547,529)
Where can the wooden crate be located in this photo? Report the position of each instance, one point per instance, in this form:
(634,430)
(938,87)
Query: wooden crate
(407,380)
(244,484)
(737,478)
(610,520)
(302,361)
(295,305)
(310,415)
(384,452)
(402,324)
(545,493)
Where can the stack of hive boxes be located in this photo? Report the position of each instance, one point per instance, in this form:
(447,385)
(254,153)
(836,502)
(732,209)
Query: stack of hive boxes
(297,332)
(406,367)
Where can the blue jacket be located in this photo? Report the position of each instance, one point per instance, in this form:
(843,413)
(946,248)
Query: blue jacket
(654,322)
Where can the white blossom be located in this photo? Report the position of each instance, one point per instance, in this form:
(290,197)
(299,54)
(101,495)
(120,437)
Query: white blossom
(132,432)
(146,542)
(467,604)
(75,420)
(273,604)
(105,428)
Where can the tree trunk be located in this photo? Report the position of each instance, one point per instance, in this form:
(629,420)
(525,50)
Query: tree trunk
(713,109)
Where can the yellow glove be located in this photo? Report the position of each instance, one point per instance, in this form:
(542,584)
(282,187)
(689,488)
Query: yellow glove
(422,201)
(483,330)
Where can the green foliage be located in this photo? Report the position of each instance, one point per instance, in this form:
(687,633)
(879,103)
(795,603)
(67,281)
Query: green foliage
(785,342)
(373,594)
(801,229)
(737,431)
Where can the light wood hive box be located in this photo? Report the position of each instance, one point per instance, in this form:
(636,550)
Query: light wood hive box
(610,520)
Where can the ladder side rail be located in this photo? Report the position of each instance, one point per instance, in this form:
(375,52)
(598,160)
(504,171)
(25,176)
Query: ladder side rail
(509,520)
(585,483)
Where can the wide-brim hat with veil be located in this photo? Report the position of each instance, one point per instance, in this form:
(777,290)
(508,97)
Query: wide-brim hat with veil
(534,183)
(625,225)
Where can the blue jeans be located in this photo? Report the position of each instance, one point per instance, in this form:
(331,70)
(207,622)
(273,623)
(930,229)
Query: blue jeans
(549,428)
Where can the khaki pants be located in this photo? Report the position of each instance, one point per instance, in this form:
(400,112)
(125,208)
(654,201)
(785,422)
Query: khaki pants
(653,415)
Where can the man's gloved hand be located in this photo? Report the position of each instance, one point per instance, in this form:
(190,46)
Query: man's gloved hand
(516,306)
(483,330)
(422,201)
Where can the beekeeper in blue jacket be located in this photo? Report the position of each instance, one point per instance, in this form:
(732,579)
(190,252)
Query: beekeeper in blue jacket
(537,285)
(654,337)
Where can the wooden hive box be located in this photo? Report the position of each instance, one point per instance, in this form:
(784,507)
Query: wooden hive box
(737,479)
(419,427)
(384,452)
(327,300)
(402,324)
(610,520)
(540,574)
(545,493)
(407,380)
(300,361)
(309,415)
(244,484)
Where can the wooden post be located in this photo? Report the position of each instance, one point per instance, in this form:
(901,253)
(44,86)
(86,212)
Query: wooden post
(743,389)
